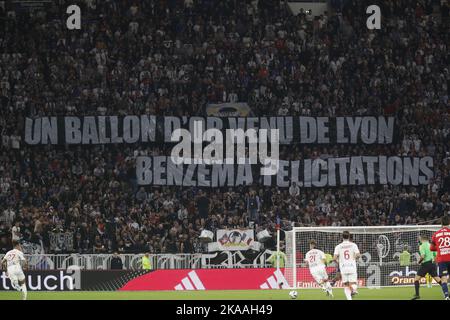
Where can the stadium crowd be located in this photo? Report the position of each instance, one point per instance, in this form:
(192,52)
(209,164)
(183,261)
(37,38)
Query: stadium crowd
(173,58)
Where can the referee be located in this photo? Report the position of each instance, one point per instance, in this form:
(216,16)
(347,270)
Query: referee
(426,265)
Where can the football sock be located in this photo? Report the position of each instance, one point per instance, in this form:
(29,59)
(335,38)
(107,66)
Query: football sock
(417,286)
(354,287)
(329,288)
(24,291)
(445,289)
(15,285)
(348,293)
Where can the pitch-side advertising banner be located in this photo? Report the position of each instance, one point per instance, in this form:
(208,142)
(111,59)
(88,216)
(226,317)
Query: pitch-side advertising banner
(198,279)
(221,279)
(73,279)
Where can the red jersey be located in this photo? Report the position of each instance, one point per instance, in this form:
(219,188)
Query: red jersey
(440,242)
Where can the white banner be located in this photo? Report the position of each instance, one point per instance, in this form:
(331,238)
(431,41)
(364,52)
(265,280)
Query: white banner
(32,247)
(129,129)
(61,241)
(235,239)
(308,173)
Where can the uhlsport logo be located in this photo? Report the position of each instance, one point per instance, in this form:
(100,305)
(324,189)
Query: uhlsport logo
(191,282)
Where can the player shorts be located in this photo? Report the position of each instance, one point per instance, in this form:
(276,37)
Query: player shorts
(349,277)
(444,269)
(319,275)
(15,274)
(427,267)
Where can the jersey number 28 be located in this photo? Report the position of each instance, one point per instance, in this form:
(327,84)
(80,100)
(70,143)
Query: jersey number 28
(444,242)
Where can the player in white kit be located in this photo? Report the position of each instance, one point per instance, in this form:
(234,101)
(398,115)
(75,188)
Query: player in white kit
(13,262)
(346,254)
(316,262)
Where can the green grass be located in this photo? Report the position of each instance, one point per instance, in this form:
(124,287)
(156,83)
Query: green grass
(401,293)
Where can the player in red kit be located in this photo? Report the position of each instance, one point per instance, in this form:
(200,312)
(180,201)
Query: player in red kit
(441,244)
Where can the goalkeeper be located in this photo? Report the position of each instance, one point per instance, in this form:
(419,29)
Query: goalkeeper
(427,265)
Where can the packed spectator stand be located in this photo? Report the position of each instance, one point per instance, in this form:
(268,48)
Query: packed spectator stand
(172,58)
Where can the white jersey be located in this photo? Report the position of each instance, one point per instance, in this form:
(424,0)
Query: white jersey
(315,258)
(14,258)
(346,253)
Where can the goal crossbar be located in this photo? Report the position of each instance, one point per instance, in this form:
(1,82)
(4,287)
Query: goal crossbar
(368,228)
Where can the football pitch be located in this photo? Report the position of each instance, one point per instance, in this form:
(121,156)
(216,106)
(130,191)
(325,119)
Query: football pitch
(399,293)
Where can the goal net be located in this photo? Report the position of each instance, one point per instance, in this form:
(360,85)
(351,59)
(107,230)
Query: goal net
(389,254)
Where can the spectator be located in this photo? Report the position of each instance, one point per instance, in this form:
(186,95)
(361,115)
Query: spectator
(15,232)
(116,262)
(253,206)
(8,216)
(294,190)
(203,205)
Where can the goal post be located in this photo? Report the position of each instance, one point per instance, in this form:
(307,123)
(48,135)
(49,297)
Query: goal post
(389,254)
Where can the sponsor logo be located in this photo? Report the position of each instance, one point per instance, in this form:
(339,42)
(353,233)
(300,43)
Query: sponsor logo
(407,277)
(275,281)
(74,279)
(191,282)
(207,279)
(407,280)
(48,281)
(338,284)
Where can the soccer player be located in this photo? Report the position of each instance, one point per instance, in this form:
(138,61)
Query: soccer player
(316,261)
(440,242)
(337,275)
(12,262)
(427,265)
(346,254)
